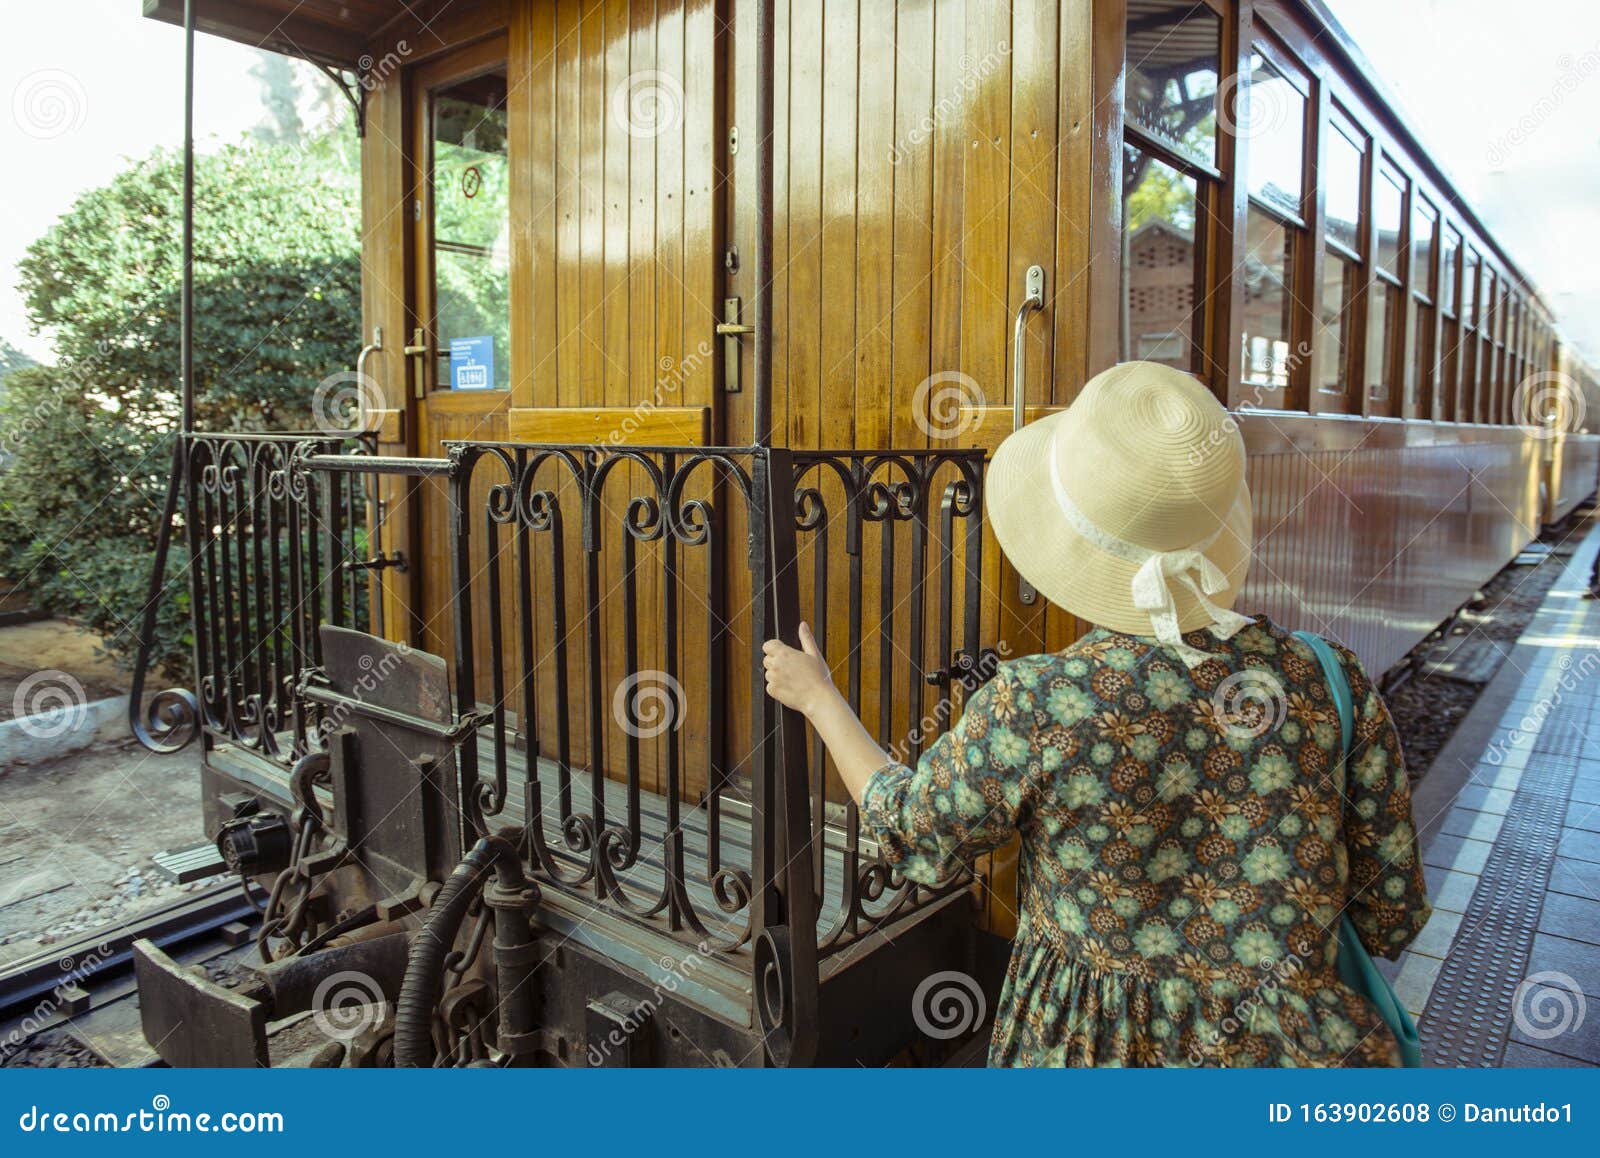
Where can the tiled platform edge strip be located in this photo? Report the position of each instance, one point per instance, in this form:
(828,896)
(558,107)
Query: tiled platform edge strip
(1470,1012)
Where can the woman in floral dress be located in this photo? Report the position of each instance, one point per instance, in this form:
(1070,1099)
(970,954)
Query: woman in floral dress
(1190,837)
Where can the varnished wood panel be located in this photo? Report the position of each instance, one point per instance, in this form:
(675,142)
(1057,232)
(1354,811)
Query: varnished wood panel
(612,425)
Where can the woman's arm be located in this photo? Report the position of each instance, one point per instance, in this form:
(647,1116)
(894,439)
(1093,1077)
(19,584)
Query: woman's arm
(800,680)
(970,789)
(1388,894)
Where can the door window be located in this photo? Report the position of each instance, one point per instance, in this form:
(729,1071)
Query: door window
(471,234)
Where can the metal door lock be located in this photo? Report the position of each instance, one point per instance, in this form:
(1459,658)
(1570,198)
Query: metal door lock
(730,330)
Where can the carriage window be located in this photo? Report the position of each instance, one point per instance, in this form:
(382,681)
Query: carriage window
(1344,179)
(1471,358)
(1421,403)
(1449,269)
(1385,314)
(1160,266)
(1424,224)
(1272,114)
(1469,289)
(471,235)
(1486,328)
(1452,393)
(1269,273)
(1274,118)
(1173,49)
(1339,276)
(1390,209)
(1345,174)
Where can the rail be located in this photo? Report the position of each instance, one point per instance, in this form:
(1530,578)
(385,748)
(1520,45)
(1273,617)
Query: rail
(607,606)
(273,552)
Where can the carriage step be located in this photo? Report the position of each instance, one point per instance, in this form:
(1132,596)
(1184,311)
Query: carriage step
(182,865)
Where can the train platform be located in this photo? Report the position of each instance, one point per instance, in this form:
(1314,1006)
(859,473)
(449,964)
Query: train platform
(1507,973)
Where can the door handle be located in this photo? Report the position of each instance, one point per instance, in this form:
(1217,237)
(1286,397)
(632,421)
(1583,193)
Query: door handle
(1033,299)
(418,350)
(730,330)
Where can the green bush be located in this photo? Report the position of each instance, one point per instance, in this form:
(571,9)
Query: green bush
(277,309)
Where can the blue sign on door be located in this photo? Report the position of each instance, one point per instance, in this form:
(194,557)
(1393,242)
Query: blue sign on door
(472,363)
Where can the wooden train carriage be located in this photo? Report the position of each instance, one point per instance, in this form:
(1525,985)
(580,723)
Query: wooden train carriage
(1571,464)
(974,206)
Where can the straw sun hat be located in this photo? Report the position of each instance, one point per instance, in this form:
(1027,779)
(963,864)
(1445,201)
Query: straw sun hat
(1129,508)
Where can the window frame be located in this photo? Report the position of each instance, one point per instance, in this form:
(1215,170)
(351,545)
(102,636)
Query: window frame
(1452,241)
(1388,356)
(1294,393)
(1212,189)
(1471,334)
(1422,277)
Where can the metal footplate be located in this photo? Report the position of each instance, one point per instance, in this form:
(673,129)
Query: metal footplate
(190,1020)
(182,865)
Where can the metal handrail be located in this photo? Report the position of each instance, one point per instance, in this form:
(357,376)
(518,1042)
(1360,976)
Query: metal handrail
(1033,299)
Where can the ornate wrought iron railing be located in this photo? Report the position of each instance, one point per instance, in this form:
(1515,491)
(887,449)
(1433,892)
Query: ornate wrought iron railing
(899,535)
(607,607)
(273,552)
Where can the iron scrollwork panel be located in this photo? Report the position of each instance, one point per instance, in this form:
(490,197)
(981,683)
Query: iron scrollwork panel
(900,533)
(592,624)
(273,552)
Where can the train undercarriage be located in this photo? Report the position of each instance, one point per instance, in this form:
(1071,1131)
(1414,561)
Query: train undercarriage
(531,855)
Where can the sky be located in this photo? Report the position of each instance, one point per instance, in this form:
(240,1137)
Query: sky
(1507,97)
(88,84)
(1508,105)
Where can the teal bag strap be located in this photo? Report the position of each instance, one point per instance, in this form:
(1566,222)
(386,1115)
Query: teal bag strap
(1356,967)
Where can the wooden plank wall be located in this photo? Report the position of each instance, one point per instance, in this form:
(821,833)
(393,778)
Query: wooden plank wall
(929,151)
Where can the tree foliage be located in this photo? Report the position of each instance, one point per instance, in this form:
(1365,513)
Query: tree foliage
(277,283)
(277,309)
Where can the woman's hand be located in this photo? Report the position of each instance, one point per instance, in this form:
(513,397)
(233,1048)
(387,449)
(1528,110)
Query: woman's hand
(798,679)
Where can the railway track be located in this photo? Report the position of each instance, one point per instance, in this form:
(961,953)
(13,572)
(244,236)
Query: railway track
(73,1005)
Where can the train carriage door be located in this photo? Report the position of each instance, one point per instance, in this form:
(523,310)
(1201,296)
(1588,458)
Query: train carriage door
(566,186)
(459,345)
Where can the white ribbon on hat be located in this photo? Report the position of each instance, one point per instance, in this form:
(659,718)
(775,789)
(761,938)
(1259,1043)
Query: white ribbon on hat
(1158,570)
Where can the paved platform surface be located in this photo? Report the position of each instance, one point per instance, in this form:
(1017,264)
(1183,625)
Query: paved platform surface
(1507,973)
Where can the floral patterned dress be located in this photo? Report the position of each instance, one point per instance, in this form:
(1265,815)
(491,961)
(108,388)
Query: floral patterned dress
(1186,855)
